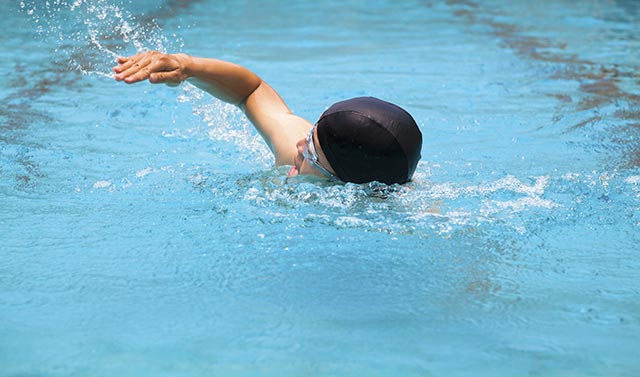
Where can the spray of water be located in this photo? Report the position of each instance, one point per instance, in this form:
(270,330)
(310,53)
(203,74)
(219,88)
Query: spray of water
(88,35)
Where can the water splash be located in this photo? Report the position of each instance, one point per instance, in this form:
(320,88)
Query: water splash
(225,122)
(518,206)
(420,208)
(89,35)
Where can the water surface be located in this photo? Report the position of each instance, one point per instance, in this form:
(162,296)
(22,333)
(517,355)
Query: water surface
(145,231)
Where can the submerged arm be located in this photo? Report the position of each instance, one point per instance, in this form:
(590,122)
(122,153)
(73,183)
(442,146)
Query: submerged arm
(228,82)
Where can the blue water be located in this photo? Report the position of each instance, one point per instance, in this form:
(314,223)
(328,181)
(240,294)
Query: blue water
(144,230)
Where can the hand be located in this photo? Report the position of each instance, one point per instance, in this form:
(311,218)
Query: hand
(155,66)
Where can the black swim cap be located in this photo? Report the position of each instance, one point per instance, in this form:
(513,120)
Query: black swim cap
(366,139)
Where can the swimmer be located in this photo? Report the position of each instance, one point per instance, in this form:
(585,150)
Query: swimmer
(357,140)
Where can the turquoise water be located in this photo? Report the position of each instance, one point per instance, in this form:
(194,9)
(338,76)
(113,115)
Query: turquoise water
(144,230)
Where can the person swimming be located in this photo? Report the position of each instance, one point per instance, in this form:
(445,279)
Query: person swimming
(358,140)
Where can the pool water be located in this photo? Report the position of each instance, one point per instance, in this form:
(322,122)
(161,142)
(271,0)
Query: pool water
(144,230)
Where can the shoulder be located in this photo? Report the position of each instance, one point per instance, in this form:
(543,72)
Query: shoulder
(276,123)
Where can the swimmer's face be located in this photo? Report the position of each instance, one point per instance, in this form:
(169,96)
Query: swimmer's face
(310,159)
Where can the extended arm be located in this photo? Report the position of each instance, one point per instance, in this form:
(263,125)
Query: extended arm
(228,82)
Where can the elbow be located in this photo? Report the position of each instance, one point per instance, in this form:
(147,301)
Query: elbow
(242,103)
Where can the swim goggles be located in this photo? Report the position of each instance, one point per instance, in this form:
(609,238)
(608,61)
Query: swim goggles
(309,153)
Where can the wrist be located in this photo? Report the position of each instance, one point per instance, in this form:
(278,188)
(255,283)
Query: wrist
(186,64)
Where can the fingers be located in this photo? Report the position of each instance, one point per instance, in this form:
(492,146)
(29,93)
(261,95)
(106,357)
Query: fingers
(171,78)
(126,62)
(136,68)
(138,72)
(152,65)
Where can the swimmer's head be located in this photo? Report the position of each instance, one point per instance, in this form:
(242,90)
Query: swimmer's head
(366,139)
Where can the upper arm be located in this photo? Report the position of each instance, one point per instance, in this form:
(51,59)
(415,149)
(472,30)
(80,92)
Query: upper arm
(275,122)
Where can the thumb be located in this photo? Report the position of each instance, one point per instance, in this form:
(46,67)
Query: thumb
(171,78)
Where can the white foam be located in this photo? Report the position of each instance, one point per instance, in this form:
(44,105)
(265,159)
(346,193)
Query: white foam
(509,183)
(101,184)
(527,202)
(571,176)
(351,221)
(634,180)
(512,183)
(144,172)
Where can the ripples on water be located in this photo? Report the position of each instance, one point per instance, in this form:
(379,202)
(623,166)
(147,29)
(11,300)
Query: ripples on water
(91,34)
(602,111)
(169,200)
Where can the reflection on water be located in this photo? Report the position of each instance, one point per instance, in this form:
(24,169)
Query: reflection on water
(601,97)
